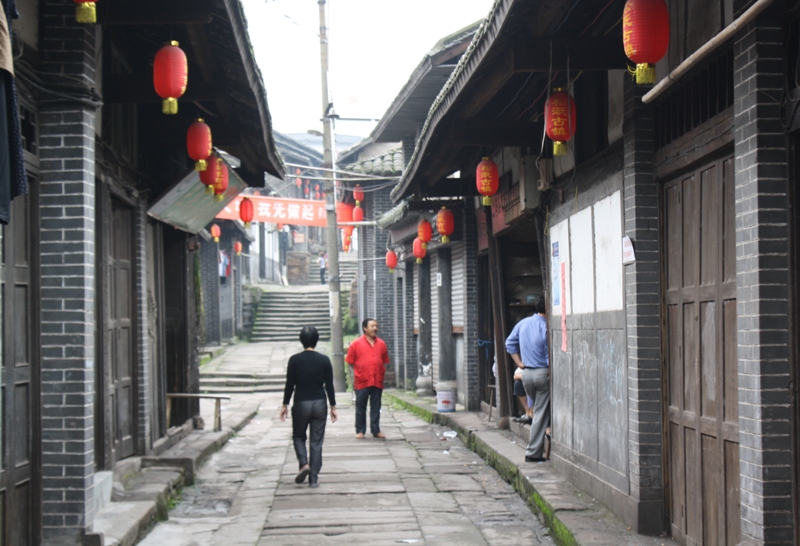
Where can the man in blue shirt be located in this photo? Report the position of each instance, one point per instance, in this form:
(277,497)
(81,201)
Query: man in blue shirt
(527,346)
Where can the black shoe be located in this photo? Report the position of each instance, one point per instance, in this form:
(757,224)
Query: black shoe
(534,459)
(525,420)
(301,476)
(313,484)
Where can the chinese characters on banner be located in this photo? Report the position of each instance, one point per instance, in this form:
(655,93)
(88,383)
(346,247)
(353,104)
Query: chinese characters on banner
(276,210)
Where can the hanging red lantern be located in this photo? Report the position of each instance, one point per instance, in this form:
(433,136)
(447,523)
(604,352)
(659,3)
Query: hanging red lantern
(487,179)
(317,196)
(237,246)
(391,260)
(424,232)
(297,181)
(358,214)
(445,224)
(419,250)
(221,182)
(215,232)
(170,75)
(358,194)
(305,191)
(560,118)
(209,176)
(198,143)
(85,11)
(344,212)
(316,188)
(645,36)
(246,212)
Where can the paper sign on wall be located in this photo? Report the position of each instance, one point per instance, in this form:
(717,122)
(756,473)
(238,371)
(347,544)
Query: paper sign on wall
(556,277)
(628,255)
(563,307)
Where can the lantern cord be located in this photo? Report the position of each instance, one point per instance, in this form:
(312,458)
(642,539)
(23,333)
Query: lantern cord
(600,13)
(507,106)
(544,129)
(566,18)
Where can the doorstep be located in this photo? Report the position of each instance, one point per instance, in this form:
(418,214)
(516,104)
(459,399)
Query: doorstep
(572,516)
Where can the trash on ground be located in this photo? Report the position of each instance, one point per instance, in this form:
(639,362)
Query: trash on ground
(450,434)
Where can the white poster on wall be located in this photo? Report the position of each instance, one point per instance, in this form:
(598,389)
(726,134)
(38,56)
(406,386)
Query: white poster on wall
(608,250)
(556,276)
(582,266)
(560,254)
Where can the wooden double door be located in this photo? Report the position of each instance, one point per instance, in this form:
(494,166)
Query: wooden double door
(700,346)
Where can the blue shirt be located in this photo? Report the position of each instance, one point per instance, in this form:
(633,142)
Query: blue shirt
(529,340)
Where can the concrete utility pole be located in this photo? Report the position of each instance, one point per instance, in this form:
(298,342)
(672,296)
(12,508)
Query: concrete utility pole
(337,347)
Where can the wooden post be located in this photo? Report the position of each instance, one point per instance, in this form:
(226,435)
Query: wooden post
(424,339)
(498,312)
(447,357)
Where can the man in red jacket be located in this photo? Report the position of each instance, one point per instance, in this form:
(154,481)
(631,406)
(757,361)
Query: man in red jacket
(368,356)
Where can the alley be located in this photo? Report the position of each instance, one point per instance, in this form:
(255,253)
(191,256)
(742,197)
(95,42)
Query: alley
(419,486)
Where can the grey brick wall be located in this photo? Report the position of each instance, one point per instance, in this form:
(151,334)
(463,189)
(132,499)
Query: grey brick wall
(209,273)
(379,281)
(642,304)
(412,359)
(68,280)
(472,396)
(762,267)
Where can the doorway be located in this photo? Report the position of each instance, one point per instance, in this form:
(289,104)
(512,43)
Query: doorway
(700,344)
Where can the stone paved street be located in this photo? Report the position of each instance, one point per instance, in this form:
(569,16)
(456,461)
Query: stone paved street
(415,487)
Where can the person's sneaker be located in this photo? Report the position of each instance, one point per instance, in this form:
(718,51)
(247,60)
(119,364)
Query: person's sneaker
(313,484)
(525,420)
(379,435)
(301,476)
(360,435)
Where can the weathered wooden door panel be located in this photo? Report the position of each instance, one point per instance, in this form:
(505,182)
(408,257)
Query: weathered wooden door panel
(700,346)
(18,398)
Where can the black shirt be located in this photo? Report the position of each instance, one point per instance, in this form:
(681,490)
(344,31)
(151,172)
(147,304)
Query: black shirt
(306,374)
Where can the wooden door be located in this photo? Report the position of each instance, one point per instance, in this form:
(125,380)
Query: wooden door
(119,330)
(700,354)
(20,356)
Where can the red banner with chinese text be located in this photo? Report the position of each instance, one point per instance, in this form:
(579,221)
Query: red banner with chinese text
(277,210)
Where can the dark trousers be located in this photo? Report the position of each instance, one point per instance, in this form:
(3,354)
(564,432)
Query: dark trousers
(373,395)
(322,275)
(313,413)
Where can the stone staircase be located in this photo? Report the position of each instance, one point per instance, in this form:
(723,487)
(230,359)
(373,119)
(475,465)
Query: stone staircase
(281,315)
(347,271)
(241,382)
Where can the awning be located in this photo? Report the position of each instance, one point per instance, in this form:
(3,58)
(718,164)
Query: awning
(187,206)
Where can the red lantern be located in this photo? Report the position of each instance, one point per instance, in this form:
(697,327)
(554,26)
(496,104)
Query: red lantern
(198,143)
(305,191)
(209,176)
(316,188)
(487,179)
(419,250)
(358,214)
(85,11)
(645,36)
(424,232)
(215,232)
(170,75)
(445,224)
(317,196)
(358,194)
(237,246)
(560,118)
(297,181)
(221,182)
(391,260)
(246,212)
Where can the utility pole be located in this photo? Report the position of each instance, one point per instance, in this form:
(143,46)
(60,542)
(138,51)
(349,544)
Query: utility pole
(337,347)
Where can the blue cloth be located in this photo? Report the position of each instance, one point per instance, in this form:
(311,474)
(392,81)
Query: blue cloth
(529,340)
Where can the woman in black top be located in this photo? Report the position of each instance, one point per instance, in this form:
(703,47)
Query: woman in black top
(306,375)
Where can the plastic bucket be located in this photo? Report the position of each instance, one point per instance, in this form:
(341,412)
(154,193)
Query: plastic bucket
(445,401)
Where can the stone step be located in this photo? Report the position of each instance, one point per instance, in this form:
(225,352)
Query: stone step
(208,383)
(241,375)
(242,390)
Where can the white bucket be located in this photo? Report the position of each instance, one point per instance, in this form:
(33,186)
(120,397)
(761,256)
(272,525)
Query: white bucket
(445,401)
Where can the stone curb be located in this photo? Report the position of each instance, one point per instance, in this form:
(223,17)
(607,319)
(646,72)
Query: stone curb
(571,519)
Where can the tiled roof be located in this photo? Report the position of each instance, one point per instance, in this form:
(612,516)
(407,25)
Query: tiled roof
(388,164)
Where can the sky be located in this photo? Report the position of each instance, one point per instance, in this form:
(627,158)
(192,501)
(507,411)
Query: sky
(374,46)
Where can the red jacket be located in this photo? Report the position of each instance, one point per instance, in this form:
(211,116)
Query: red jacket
(369,362)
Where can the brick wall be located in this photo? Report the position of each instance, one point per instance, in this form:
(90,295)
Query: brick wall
(380,281)
(762,284)
(67,161)
(471,379)
(642,304)
(142,341)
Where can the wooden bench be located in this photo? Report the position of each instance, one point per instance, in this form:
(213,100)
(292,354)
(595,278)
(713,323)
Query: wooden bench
(216,397)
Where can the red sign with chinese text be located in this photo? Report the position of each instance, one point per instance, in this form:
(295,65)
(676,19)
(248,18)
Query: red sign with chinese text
(276,210)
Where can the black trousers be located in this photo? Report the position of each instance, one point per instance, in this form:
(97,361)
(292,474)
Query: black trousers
(373,395)
(312,413)
(322,275)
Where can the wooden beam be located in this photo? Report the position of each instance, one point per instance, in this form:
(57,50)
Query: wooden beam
(154,12)
(582,53)
(452,187)
(473,132)
(125,88)
(488,85)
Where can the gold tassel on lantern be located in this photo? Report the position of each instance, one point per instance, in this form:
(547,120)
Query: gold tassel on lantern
(201,165)
(170,106)
(219,197)
(643,74)
(486,201)
(559,148)
(85,12)
(209,189)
